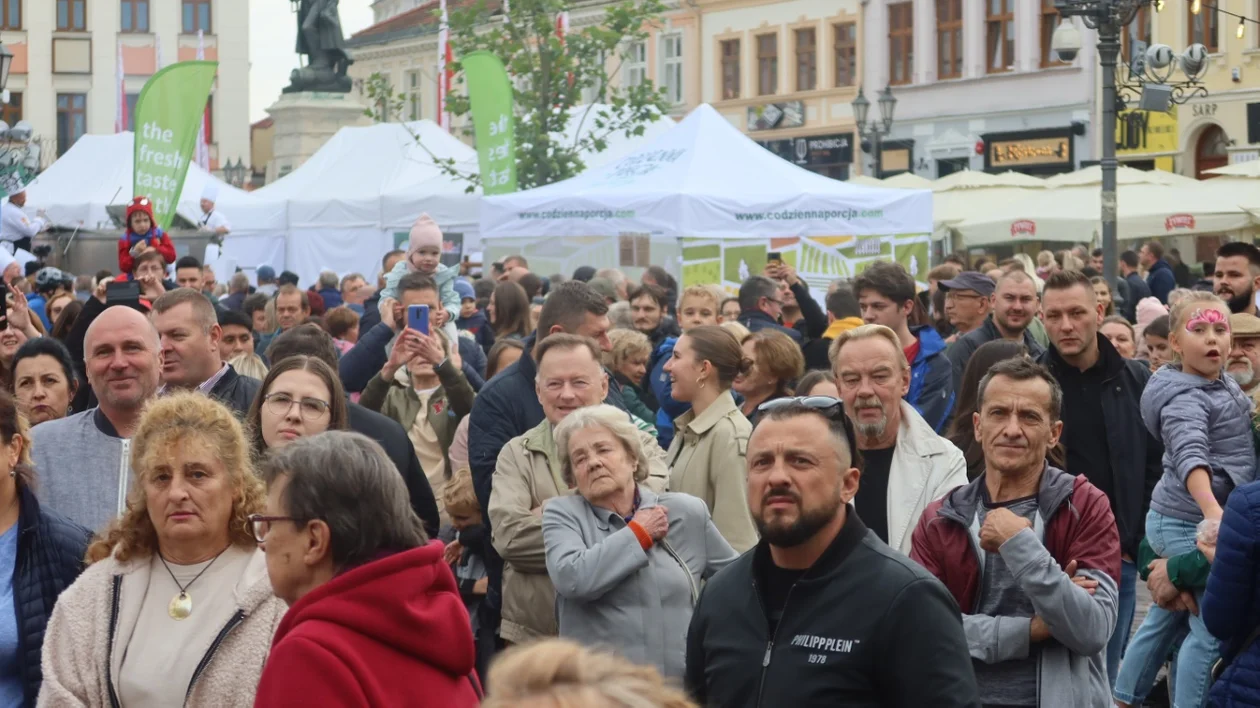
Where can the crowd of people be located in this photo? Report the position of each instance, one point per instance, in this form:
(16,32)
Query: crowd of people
(589,491)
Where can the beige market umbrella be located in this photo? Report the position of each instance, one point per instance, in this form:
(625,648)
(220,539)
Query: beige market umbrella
(1250,170)
(907,180)
(866,181)
(1071,214)
(1092,176)
(969,179)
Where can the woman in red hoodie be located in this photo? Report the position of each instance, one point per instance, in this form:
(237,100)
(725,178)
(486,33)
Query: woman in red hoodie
(375,617)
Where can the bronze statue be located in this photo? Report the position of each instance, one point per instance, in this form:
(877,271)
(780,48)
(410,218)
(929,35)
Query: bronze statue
(320,39)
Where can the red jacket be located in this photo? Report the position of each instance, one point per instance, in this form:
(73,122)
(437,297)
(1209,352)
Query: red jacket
(393,632)
(1079,527)
(159,241)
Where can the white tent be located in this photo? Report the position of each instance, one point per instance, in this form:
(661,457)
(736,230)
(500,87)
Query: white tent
(96,172)
(349,202)
(704,179)
(584,123)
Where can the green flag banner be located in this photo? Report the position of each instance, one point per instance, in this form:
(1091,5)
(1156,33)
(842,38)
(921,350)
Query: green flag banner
(168,115)
(490,96)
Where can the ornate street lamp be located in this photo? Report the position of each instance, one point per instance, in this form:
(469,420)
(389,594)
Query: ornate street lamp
(1147,75)
(872,132)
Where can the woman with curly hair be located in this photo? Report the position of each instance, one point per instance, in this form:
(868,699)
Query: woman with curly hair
(176,607)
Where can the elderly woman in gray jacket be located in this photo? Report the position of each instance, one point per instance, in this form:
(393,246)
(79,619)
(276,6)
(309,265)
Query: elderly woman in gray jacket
(626,563)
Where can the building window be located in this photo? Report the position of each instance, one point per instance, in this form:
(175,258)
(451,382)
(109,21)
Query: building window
(135,15)
(1204,27)
(413,95)
(806,60)
(1000,27)
(846,53)
(900,43)
(72,15)
(11,14)
(1137,36)
(634,70)
(949,39)
(1049,21)
(71,119)
(767,64)
(730,69)
(672,67)
(11,112)
(196,16)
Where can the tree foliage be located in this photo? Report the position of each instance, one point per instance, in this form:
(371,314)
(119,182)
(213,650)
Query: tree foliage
(550,75)
(383,104)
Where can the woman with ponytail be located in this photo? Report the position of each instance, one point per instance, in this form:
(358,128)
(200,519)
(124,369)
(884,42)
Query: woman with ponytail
(706,456)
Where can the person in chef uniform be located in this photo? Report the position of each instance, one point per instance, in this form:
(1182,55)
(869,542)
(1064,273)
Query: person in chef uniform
(16,228)
(211,218)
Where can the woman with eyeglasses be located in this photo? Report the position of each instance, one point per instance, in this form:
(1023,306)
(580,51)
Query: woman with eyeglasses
(375,616)
(300,397)
(776,364)
(176,608)
(706,456)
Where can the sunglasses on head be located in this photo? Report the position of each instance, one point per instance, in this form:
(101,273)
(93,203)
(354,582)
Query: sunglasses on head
(832,408)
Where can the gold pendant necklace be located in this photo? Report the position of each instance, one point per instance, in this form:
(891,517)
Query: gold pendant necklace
(181,606)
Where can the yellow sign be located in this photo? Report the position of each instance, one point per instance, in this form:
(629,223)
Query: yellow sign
(1146,132)
(1022,153)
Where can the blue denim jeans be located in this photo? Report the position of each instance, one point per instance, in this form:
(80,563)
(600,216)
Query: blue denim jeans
(1126,605)
(1161,630)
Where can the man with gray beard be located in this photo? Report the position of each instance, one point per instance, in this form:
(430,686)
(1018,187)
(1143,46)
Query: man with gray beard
(1243,364)
(906,464)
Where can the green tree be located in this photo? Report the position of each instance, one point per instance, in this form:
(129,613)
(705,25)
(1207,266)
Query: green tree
(383,104)
(549,76)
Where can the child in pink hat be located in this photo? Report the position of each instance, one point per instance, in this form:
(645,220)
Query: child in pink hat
(424,255)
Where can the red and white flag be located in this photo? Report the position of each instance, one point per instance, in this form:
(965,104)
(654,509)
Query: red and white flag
(445,58)
(120,115)
(203,148)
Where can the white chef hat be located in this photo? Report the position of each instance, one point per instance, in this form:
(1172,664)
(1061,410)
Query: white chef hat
(211,192)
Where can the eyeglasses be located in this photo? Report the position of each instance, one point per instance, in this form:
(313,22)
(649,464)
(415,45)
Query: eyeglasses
(259,526)
(832,408)
(281,403)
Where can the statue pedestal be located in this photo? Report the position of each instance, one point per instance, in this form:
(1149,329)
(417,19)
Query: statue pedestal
(304,121)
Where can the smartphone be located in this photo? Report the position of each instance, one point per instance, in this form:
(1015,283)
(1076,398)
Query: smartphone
(4,311)
(774,257)
(418,318)
(123,292)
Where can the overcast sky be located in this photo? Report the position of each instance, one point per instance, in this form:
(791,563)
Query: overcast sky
(272,35)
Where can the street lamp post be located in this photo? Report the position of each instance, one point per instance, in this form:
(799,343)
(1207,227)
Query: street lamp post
(875,131)
(1150,70)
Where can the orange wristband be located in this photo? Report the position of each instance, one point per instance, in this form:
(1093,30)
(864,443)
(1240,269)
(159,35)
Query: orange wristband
(641,533)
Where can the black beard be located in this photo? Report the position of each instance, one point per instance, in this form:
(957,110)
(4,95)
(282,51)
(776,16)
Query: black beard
(1239,303)
(806,526)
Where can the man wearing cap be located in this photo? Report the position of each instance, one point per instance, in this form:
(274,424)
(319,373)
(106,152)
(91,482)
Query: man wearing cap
(212,219)
(968,299)
(16,228)
(1015,304)
(267,284)
(1243,364)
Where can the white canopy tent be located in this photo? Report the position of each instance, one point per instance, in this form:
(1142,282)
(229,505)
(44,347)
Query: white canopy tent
(96,172)
(704,179)
(349,202)
(582,125)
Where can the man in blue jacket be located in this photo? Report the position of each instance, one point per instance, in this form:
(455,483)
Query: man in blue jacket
(761,306)
(1159,275)
(886,296)
(508,406)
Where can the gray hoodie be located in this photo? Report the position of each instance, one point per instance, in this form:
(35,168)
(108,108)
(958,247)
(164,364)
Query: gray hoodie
(1201,423)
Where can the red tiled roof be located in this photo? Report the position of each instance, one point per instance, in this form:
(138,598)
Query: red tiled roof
(263,124)
(414,17)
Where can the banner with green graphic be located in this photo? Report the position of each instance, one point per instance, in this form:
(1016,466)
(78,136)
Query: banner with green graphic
(168,115)
(490,97)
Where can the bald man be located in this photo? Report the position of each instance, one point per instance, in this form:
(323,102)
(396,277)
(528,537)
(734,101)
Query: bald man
(83,459)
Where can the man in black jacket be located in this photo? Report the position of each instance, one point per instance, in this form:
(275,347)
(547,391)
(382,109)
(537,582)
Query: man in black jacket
(761,307)
(821,608)
(190,336)
(1102,425)
(1137,288)
(310,340)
